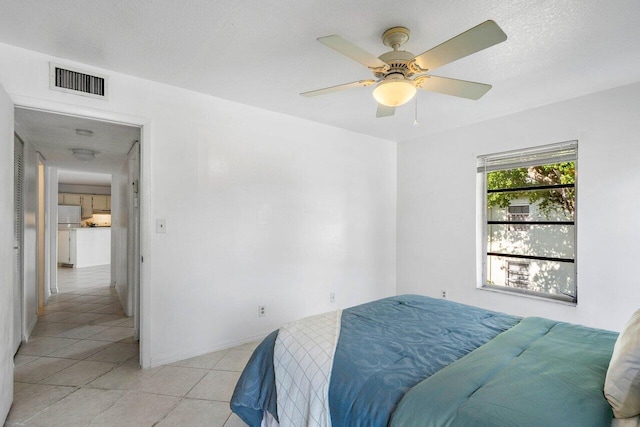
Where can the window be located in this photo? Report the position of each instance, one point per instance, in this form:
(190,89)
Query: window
(528,201)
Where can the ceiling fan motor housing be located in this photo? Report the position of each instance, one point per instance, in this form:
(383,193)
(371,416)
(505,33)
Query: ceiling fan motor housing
(398,61)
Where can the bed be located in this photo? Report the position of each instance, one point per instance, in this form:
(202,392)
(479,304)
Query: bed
(412,360)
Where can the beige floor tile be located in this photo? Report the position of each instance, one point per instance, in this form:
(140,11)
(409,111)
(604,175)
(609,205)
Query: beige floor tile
(56,316)
(234,360)
(79,374)
(137,409)
(110,320)
(83,318)
(29,401)
(96,299)
(21,359)
(195,413)
(42,346)
(59,306)
(116,352)
(39,369)
(216,385)
(206,361)
(125,377)
(60,298)
(20,386)
(107,309)
(248,346)
(50,329)
(77,409)
(172,380)
(115,333)
(129,322)
(235,421)
(84,308)
(81,350)
(83,331)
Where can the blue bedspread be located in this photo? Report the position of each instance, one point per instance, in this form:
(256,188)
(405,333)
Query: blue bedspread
(385,348)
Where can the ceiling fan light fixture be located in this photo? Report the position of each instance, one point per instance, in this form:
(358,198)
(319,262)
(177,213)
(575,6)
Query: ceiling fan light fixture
(393,92)
(83,154)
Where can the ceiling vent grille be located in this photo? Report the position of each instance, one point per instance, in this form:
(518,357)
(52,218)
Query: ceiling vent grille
(71,80)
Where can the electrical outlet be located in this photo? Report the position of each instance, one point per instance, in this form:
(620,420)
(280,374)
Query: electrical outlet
(444,294)
(262,311)
(332,297)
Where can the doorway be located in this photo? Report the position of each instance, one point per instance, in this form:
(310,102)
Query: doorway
(54,137)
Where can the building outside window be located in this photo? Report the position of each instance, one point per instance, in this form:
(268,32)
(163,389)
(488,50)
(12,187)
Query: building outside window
(528,201)
(517,274)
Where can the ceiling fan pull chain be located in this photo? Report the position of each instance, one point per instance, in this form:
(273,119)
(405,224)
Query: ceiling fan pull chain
(415,120)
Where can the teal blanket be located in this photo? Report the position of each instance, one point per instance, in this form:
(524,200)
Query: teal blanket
(538,373)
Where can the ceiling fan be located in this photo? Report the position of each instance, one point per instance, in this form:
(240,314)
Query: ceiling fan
(399,73)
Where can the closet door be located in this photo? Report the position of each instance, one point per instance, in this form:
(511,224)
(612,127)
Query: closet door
(17,246)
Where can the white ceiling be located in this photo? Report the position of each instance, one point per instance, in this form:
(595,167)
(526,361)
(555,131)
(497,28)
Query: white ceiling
(54,135)
(83,178)
(264,52)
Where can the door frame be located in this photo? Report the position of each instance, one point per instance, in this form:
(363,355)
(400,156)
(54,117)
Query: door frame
(145,228)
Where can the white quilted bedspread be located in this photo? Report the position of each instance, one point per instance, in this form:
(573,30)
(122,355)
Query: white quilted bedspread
(303,358)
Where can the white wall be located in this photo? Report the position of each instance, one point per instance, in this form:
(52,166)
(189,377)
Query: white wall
(84,189)
(261,209)
(437,206)
(30,239)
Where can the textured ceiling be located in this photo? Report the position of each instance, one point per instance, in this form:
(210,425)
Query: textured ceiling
(264,52)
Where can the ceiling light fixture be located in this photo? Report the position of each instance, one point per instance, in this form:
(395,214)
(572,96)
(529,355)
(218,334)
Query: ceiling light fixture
(84,132)
(395,90)
(83,154)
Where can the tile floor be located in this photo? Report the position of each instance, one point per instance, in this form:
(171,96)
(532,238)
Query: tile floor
(80,367)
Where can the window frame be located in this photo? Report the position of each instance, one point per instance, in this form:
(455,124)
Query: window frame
(546,154)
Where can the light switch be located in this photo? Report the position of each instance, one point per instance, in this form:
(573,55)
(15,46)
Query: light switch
(161,225)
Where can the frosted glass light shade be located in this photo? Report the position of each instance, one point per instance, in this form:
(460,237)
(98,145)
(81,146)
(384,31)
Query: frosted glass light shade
(394,92)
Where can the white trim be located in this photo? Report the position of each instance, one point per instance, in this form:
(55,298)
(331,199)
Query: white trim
(21,101)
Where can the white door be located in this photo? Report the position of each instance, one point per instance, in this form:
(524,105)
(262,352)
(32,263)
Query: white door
(133,234)
(7,254)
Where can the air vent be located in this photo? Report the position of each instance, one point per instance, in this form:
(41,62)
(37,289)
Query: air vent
(71,80)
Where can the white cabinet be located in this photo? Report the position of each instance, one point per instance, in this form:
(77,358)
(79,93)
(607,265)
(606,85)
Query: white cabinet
(67,247)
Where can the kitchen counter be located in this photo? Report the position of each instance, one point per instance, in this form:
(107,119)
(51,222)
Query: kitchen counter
(86,247)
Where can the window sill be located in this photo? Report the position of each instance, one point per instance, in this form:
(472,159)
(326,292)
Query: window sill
(529,296)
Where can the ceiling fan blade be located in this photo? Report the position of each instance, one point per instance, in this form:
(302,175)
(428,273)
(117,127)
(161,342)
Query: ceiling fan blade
(461,88)
(471,41)
(354,52)
(384,111)
(338,88)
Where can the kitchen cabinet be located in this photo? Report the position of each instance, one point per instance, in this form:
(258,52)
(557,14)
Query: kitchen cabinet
(86,202)
(100,203)
(90,203)
(72,199)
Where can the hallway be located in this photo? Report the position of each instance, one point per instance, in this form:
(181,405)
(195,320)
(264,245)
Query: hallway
(80,367)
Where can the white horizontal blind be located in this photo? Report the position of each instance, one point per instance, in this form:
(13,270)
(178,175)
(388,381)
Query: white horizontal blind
(545,154)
